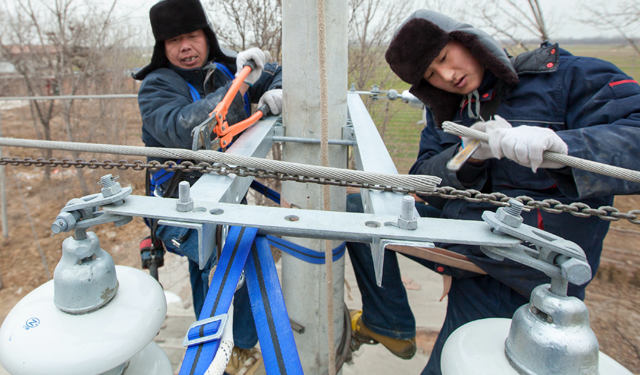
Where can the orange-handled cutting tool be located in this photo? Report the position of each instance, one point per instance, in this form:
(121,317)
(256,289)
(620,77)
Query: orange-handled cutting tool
(222,129)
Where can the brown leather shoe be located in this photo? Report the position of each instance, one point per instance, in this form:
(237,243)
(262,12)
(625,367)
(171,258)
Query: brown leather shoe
(404,349)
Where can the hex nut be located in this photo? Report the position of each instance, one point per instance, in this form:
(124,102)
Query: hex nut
(111,190)
(407,224)
(506,218)
(184,206)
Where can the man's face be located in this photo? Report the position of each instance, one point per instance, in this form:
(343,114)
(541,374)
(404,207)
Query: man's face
(188,50)
(455,70)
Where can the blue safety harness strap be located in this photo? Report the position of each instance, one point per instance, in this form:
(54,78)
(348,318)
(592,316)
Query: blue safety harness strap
(223,285)
(269,312)
(303,253)
(266,191)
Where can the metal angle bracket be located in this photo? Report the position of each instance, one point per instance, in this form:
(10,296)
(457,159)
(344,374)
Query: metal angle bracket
(378,247)
(206,237)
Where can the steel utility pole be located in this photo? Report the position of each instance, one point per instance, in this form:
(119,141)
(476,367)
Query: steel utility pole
(304,284)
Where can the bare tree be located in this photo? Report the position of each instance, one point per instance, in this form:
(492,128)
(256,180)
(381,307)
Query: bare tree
(515,20)
(58,47)
(624,18)
(250,23)
(371,27)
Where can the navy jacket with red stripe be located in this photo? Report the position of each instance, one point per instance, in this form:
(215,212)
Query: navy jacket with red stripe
(593,106)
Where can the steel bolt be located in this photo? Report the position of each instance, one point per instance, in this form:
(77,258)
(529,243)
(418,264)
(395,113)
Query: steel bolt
(107,180)
(185,203)
(408,202)
(510,215)
(574,270)
(64,222)
(407,220)
(59,226)
(109,185)
(515,207)
(184,192)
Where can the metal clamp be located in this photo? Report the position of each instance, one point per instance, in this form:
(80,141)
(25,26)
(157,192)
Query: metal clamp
(82,213)
(222,318)
(563,261)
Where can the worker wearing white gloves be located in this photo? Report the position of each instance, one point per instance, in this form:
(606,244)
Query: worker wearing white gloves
(188,76)
(542,100)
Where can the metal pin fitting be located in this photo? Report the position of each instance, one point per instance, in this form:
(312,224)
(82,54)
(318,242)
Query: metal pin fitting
(511,215)
(65,222)
(109,185)
(407,220)
(185,203)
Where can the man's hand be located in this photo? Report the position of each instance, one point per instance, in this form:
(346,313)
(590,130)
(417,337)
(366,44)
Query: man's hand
(484,151)
(526,144)
(272,98)
(258,56)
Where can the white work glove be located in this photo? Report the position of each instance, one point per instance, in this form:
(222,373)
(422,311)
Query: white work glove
(525,145)
(258,56)
(484,151)
(272,98)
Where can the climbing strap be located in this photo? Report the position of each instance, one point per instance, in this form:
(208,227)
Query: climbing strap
(266,191)
(269,312)
(303,253)
(203,337)
(267,304)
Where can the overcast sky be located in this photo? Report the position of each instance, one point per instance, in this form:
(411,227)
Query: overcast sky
(560,15)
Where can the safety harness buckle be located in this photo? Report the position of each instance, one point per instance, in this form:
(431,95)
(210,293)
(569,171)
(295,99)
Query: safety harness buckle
(222,318)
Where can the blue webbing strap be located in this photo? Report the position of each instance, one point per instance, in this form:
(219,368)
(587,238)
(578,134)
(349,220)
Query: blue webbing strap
(223,285)
(269,312)
(266,191)
(300,252)
(303,253)
(195,95)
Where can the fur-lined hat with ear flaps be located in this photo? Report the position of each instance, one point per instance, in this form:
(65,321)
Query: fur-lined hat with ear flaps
(419,40)
(170,18)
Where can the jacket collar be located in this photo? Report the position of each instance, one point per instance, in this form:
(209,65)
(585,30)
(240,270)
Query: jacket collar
(195,76)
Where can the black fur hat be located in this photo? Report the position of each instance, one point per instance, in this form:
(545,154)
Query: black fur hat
(419,41)
(170,18)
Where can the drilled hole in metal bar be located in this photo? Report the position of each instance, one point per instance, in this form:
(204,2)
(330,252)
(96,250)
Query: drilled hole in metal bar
(292,218)
(216,211)
(390,224)
(372,224)
(200,209)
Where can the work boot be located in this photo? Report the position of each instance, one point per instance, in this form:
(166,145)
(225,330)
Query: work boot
(245,362)
(360,334)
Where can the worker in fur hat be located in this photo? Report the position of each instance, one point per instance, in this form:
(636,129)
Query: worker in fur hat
(187,77)
(542,100)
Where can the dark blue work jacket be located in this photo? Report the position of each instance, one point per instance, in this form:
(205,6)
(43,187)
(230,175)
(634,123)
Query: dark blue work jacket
(593,106)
